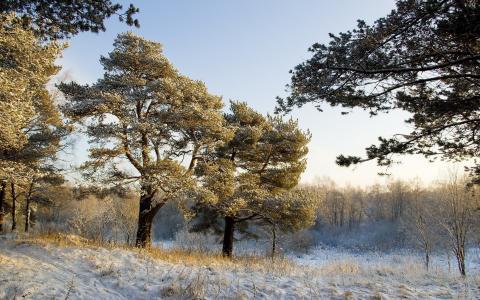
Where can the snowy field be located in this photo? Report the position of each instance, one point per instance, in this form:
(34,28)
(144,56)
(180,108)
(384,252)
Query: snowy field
(47,271)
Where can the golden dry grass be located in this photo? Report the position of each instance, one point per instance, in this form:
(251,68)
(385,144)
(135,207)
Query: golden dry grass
(174,255)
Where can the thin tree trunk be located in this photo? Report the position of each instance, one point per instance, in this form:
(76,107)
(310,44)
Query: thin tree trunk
(274,241)
(426,249)
(460,254)
(449,263)
(427,259)
(146,214)
(27,206)
(227,249)
(14,200)
(3,192)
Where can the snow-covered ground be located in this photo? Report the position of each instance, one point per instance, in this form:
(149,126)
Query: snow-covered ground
(47,271)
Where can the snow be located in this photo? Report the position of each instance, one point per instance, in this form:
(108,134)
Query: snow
(47,271)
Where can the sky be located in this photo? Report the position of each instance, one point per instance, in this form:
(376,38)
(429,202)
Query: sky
(243,50)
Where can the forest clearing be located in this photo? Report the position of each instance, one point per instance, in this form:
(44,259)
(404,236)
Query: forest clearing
(240,149)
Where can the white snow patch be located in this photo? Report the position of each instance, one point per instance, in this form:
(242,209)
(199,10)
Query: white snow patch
(50,272)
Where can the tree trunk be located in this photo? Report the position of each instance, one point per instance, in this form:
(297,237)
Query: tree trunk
(27,215)
(449,263)
(14,200)
(426,248)
(146,214)
(3,192)
(460,254)
(274,241)
(227,249)
(27,207)
(427,259)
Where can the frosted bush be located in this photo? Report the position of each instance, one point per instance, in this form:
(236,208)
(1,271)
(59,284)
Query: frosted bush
(104,220)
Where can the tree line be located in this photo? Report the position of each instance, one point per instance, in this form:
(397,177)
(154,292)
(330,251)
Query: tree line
(440,218)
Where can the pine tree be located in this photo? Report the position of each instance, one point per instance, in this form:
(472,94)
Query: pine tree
(32,127)
(422,58)
(289,211)
(54,19)
(26,66)
(265,157)
(145,114)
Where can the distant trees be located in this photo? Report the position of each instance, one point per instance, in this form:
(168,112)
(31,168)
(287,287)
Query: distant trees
(355,210)
(145,113)
(422,58)
(437,218)
(399,197)
(264,158)
(335,204)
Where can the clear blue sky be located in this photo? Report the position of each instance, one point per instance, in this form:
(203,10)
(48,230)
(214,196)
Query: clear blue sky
(243,50)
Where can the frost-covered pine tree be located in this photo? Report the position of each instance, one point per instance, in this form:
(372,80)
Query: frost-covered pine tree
(31,124)
(147,124)
(290,211)
(264,158)
(26,66)
(57,19)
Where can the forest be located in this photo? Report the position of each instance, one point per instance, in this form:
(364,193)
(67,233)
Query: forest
(194,188)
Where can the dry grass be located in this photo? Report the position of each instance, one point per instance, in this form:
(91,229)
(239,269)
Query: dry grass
(345,268)
(176,256)
(194,274)
(255,263)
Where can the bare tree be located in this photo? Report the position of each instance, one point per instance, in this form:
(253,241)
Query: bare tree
(460,202)
(420,221)
(398,193)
